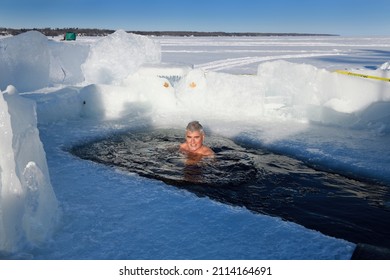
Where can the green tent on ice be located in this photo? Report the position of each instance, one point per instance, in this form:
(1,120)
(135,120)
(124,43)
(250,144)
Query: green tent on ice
(69,36)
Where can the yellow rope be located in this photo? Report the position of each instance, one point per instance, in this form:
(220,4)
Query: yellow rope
(362,75)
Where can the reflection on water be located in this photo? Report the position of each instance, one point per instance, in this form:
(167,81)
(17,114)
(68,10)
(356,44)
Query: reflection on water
(256,179)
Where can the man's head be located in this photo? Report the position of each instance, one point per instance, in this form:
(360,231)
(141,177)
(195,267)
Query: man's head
(194,136)
(194,126)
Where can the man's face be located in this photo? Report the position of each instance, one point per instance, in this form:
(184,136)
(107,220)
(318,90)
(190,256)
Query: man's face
(194,140)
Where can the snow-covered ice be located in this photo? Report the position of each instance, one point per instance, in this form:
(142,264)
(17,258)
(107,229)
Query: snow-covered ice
(279,93)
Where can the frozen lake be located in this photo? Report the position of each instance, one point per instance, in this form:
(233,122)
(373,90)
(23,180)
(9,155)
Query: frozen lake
(291,105)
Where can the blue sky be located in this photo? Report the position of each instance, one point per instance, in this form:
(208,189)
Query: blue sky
(343,17)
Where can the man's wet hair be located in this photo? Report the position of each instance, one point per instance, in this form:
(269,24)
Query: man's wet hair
(195,126)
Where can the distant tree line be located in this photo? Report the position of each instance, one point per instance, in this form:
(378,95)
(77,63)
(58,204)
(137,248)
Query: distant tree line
(52,32)
(221,34)
(104,32)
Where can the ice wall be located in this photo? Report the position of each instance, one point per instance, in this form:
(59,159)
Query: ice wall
(308,93)
(137,94)
(30,61)
(282,91)
(66,59)
(112,76)
(28,206)
(220,95)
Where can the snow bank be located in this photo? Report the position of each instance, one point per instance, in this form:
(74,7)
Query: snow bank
(118,55)
(28,206)
(312,94)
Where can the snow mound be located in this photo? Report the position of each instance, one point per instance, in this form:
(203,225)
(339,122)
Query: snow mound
(385,66)
(28,206)
(118,55)
(24,61)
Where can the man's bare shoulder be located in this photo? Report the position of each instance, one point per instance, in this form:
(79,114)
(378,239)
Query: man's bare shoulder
(183,147)
(206,151)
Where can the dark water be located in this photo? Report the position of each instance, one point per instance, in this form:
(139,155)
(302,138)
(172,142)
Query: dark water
(261,181)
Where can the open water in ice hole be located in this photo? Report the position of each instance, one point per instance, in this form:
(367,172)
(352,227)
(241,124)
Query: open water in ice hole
(261,181)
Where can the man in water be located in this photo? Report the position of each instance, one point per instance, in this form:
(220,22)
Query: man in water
(194,140)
